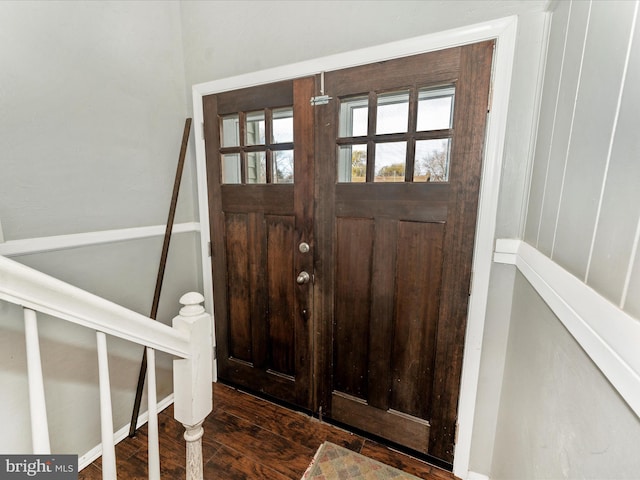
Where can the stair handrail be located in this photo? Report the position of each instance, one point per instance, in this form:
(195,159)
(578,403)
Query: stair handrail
(189,339)
(30,288)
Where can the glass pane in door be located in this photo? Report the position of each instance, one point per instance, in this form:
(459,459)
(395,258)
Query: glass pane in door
(390,163)
(256,167)
(282,125)
(352,163)
(432,160)
(255,128)
(283,166)
(393,113)
(231,170)
(230,131)
(435,109)
(354,114)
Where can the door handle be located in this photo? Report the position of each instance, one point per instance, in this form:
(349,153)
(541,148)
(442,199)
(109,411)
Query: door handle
(303,277)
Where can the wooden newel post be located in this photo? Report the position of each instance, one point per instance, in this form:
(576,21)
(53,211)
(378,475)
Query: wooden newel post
(192,378)
(193,436)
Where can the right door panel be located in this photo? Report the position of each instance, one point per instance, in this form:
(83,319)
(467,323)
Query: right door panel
(398,171)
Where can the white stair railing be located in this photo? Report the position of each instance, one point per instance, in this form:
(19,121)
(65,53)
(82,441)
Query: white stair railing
(189,340)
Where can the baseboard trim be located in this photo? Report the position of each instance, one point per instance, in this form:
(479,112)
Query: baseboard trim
(95,453)
(477,476)
(26,246)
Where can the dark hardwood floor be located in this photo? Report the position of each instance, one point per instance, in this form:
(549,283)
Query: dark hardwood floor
(249,438)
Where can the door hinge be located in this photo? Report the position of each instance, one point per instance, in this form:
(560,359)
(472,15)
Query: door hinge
(202,130)
(491,80)
(215,352)
(320,100)
(210,249)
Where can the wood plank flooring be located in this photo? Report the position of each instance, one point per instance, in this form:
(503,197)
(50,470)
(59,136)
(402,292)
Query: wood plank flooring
(249,438)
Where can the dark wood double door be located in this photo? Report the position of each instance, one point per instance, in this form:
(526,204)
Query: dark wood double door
(342,239)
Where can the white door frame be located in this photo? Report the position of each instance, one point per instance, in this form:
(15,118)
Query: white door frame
(504,32)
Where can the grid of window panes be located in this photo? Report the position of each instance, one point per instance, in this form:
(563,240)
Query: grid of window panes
(401,136)
(257,147)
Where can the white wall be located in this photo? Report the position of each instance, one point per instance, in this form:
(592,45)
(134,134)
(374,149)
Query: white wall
(225,38)
(559,416)
(92,107)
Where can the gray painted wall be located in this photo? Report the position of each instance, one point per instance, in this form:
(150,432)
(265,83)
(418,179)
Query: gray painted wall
(224,38)
(92,107)
(559,417)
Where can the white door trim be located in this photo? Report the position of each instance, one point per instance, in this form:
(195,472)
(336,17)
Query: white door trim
(504,31)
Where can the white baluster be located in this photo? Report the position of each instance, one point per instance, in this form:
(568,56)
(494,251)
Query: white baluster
(39,424)
(152,425)
(106,416)
(192,379)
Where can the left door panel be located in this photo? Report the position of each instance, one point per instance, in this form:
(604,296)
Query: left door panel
(259,144)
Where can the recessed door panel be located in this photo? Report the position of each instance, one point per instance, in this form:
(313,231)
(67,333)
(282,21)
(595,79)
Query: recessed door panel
(354,246)
(417,300)
(280,295)
(238,289)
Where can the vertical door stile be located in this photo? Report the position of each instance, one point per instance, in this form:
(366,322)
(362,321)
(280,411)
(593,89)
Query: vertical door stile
(216,221)
(472,95)
(325,183)
(303,206)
